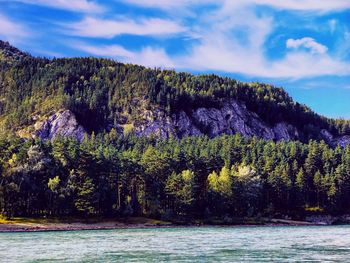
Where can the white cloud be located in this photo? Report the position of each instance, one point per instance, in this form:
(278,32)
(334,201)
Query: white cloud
(220,55)
(11,30)
(302,64)
(169,4)
(343,45)
(84,6)
(308,43)
(221,45)
(220,51)
(151,57)
(105,50)
(304,5)
(92,27)
(332,25)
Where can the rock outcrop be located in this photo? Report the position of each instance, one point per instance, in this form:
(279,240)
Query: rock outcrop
(343,141)
(232,117)
(285,131)
(60,124)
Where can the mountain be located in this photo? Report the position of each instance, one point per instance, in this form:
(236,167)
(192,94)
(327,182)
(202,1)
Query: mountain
(45,98)
(136,141)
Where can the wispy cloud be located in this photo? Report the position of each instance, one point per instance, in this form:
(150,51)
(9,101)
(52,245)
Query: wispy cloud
(343,45)
(307,42)
(112,51)
(170,4)
(234,58)
(332,25)
(148,56)
(85,6)
(220,51)
(231,36)
(305,5)
(12,30)
(93,27)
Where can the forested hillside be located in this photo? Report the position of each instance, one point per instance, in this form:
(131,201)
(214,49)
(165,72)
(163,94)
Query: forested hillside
(88,136)
(104,94)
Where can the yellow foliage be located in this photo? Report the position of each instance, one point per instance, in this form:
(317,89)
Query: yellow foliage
(187,175)
(315,209)
(221,183)
(213,181)
(127,128)
(243,172)
(12,161)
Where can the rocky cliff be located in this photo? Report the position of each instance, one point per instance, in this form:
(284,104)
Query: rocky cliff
(231,118)
(333,140)
(60,124)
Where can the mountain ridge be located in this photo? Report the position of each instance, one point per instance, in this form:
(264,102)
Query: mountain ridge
(97,95)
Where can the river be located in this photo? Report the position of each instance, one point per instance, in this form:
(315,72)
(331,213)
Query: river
(192,244)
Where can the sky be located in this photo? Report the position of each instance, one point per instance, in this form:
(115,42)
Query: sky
(300,45)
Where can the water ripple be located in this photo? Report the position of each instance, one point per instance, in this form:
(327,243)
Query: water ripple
(204,244)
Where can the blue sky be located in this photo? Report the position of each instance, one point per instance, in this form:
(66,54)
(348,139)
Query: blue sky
(301,45)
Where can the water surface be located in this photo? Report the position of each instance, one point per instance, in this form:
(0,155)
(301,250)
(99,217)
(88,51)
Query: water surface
(203,244)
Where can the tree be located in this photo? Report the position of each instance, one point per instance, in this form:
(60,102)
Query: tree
(53,185)
(86,200)
(247,189)
(318,182)
(180,189)
(221,183)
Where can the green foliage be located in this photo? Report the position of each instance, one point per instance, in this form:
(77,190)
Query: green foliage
(85,200)
(119,174)
(180,190)
(103,92)
(53,183)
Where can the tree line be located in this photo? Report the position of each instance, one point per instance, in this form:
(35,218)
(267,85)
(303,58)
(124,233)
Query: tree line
(195,177)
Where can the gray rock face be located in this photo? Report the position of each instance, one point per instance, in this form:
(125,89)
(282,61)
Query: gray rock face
(327,136)
(231,118)
(154,122)
(184,126)
(63,124)
(342,141)
(285,131)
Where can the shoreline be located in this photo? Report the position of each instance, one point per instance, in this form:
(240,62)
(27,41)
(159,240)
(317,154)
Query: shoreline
(139,223)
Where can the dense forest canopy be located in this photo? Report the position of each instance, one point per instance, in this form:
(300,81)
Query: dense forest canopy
(196,177)
(113,174)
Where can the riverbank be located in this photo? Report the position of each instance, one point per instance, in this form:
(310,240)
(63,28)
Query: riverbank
(73,224)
